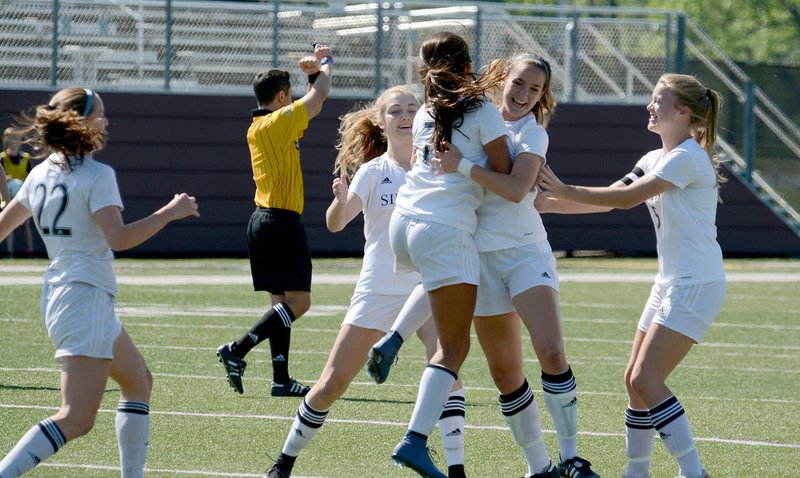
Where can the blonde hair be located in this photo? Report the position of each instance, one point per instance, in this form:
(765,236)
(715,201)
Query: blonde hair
(704,104)
(360,137)
(60,126)
(497,74)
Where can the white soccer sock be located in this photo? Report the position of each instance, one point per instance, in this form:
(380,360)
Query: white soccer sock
(133,435)
(307,424)
(521,412)
(415,312)
(672,425)
(561,398)
(639,437)
(451,427)
(434,390)
(38,444)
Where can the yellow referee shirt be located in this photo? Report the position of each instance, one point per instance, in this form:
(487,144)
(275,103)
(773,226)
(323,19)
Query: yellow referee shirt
(16,171)
(275,156)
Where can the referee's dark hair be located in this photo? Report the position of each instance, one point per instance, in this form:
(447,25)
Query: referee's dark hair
(268,83)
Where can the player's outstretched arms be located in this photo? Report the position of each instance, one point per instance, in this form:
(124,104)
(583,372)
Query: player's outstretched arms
(121,236)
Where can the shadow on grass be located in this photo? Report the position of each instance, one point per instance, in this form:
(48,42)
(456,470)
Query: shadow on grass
(372,400)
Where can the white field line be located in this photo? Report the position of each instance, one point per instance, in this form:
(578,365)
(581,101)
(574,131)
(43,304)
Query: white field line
(84,466)
(245,279)
(501,428)
(582,392)
(720,345)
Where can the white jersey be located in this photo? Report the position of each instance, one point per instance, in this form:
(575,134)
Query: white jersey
(449,199)
(503,224)
(62,203)
(684,217)
(377,183)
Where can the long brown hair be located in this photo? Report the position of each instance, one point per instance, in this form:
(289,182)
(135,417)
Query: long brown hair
(449,90)
(497,74)
(704,104)
(60,126)
(360,137)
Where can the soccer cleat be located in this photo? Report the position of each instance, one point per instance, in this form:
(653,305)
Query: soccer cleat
(382,356)
(411,452)
(551,472)
(291,389)
(576,467)
(280,469)
(234,366)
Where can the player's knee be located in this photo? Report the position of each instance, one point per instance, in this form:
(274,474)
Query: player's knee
(507,379)
(552,359)
(639,382)
(75,424)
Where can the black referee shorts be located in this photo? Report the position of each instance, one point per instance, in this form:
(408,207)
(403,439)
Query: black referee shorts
(280,260)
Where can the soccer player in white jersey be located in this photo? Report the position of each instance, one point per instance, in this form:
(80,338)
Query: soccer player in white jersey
(679,183)
(375,150)
(76,207)
(434,219)
(518,272)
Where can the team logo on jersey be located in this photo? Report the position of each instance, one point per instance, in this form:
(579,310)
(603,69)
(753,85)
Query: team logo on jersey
(546,275)
(386,180)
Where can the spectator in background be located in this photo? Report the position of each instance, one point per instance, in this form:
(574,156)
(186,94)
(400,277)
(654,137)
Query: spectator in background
(17,164)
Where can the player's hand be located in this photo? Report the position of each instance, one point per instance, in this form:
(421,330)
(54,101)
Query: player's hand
(446,161)
(340,187)
(309,64)
(550,185)
(183,205)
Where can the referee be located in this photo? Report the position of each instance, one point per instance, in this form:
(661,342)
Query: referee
(280,260)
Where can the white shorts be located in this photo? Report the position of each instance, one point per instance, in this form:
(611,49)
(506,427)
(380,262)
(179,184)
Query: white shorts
(688,309)
(443,255)
(80,320)
(507,273)
(373,311)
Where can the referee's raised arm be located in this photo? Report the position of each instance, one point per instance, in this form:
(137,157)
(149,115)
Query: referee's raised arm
(319,69)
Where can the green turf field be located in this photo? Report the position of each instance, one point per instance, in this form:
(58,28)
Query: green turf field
(741,388)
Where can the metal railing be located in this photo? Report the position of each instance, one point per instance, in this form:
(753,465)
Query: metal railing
(598,55)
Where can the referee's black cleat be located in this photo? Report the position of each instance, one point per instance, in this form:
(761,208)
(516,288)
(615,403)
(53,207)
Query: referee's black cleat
(234,367)
(292,388)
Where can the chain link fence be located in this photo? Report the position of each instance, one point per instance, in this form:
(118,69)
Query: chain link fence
(609,55)
(216,47)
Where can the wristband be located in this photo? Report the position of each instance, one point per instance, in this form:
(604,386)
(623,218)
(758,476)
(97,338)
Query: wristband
(313,78)
(465,167)
(326,60)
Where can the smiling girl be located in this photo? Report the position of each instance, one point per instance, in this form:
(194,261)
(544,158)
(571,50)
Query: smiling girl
(679,183)
(375,151)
